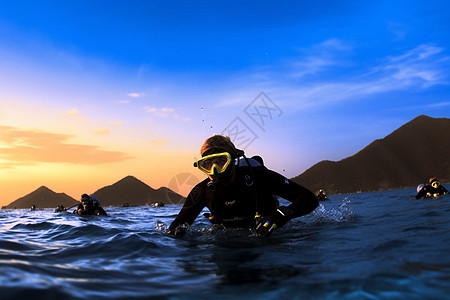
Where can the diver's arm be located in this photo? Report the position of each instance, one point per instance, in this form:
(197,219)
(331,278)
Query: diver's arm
(79,209)
(193,205)
(303,200)
(422,193)
(102,211)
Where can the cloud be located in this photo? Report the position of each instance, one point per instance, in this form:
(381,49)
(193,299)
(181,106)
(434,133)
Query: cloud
(162,110)
(318,58)
(134,95)
(28,147)
(116,123)
(398,29)
(416,69)
(165,112)
(420,107)
(72,112)
(100,131)
(422,65)
(158,142)
(122,101)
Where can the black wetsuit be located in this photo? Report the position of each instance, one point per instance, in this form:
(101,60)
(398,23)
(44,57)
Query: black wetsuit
(92,208)
(429,191)
(235,205)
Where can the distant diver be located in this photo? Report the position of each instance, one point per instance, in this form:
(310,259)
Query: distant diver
(322,195)
(60,208)
(431,188)
(89,206)
(239,192)
(33,207)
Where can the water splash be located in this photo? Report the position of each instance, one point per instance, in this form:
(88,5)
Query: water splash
(342,213)
(161,226)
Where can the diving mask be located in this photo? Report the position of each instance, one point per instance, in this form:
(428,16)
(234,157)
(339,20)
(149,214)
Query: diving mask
(218,161)
(435,184)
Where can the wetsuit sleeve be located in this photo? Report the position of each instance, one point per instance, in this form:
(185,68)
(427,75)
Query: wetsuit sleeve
(102,211)
(193,205)
(443,190)
(80,206)
(421,193)
(303,200)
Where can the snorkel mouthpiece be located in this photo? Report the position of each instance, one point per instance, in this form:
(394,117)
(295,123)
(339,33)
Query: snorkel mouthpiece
(215,179)
(211,186)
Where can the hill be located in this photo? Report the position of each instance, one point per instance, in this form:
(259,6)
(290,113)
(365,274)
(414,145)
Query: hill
(43,197)
(135,192)
(404,158)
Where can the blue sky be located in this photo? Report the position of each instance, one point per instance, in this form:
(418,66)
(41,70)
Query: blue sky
(140,77)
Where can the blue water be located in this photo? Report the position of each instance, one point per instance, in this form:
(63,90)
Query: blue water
(379,245)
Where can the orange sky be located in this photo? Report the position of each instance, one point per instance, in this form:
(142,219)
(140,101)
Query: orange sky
(31,158)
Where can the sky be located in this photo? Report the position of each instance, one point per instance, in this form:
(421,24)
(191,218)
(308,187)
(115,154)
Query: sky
(93,91)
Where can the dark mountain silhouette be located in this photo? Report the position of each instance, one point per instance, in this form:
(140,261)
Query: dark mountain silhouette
(403,159)
(134,192)
(43,197)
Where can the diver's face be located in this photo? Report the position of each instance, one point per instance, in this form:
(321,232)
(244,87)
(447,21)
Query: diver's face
(435,184)
(225,175)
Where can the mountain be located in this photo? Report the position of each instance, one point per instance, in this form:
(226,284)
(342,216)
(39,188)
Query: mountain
(43,197)
(403,159)
(134,192)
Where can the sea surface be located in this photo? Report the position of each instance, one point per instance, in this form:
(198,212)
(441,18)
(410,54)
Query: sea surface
(380,245)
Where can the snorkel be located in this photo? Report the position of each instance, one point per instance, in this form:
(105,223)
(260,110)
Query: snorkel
(219,179)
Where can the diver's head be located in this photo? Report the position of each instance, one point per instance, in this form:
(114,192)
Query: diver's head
(220,143)
(434,182)
(218,155)
(85,199)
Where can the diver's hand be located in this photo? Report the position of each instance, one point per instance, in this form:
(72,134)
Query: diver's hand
(277,219)
(180,230)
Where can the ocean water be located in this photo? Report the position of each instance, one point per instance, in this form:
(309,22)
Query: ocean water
(380,245)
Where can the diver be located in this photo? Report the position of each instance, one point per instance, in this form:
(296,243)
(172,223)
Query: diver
(431,188)
(241,192)
(89,206)
(60,208)
(322,195)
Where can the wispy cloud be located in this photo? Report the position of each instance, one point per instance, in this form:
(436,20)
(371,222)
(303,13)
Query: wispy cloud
(122,101)
(100,131)
(134,95)
(28,147)
(318,58)
(72,112)
(422,65)
(399,30)
(423,106)
(116,123)
(165,112)
(415,69)
(158,142)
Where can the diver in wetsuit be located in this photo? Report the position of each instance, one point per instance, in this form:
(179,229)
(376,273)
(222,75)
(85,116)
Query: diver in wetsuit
(431,188)
(239,192)
(89,206)
(322,195)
